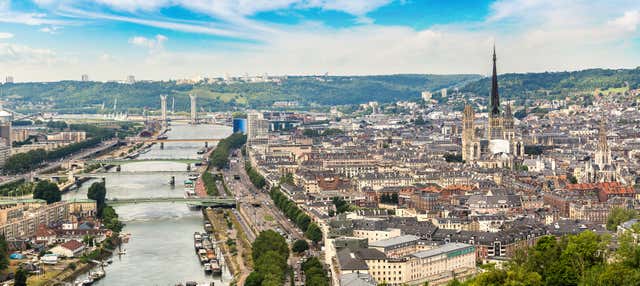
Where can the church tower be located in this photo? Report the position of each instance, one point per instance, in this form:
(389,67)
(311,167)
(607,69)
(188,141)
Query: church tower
(494,130)
(507,123)
(603,153)
(468,133)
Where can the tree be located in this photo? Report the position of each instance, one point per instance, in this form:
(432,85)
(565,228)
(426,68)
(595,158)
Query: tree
(269,240)
(287,178)
(341,205)
(618,216)
(272,265)
(394,198)
(98,192)
(4,253)
(20,278)
(303,221)
(110,219)
(47,191)
(313,233)
(254,279)
(300,246)
(314,273)
(270,254)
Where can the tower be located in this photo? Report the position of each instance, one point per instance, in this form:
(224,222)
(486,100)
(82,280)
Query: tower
(257,128)
(468,133)
(494,130)
(507,123)
(194,111)
(163,108)
(603,152)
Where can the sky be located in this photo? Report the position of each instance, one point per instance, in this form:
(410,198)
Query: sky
(51,40)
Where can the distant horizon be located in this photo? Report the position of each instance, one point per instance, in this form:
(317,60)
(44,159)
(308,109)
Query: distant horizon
(53,40)
(124,79)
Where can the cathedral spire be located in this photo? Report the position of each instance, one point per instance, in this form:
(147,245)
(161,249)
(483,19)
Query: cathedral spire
(495,98)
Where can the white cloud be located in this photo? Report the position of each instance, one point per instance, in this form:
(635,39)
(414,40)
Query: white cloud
(189,27)
(531,35)
(20,54)
(4,5)
(150,43)
(353,7)
(629,21)
(245,7)
(133,5)
(49,29)
(5,35)
(105,57)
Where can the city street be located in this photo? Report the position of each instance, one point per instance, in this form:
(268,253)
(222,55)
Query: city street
(257,205)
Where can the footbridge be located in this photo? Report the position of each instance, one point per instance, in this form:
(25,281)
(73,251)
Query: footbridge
(198,202)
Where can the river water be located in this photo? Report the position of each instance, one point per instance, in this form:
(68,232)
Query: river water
(160,251)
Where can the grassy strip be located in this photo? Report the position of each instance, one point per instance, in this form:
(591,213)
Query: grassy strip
(210,184)
(224,185)
(244,241)
(220,233)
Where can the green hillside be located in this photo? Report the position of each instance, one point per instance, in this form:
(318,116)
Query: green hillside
(74,96)
(558,84)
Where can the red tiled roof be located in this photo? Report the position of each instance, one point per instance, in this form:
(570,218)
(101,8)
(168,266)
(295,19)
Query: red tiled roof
(43,230)
(606,187)
(460,187)
(72,245)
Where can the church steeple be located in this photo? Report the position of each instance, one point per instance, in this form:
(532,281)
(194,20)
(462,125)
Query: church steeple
(495,98)
(603,152)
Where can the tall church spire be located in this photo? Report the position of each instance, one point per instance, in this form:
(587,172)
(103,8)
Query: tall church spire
(495,98)
(603,152)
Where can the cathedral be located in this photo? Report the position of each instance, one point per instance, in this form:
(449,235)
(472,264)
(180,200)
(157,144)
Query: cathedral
(498,146)
(601,168)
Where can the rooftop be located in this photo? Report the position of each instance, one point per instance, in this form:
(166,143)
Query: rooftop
(394,241)
(447,248)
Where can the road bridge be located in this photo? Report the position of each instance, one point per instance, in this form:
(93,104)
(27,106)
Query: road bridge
(129,161)
(199,202)
(64,176)
(168,140)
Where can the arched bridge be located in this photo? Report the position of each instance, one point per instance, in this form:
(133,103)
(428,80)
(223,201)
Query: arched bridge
(199,202)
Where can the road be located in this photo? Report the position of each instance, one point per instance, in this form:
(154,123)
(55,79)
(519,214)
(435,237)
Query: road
(260,212)
(256,204)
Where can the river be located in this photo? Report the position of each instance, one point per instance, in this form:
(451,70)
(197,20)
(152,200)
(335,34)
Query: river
(160,251)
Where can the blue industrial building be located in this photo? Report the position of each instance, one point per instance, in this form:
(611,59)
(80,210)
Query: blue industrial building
(240,125)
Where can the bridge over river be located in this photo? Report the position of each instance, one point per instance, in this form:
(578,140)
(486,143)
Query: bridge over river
(129,161)
(198,202)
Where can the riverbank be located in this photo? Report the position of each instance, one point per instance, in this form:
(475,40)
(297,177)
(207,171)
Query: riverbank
(160,251)
(227,231)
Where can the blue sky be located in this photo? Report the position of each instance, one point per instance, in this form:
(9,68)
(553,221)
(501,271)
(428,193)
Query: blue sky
(47,40)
